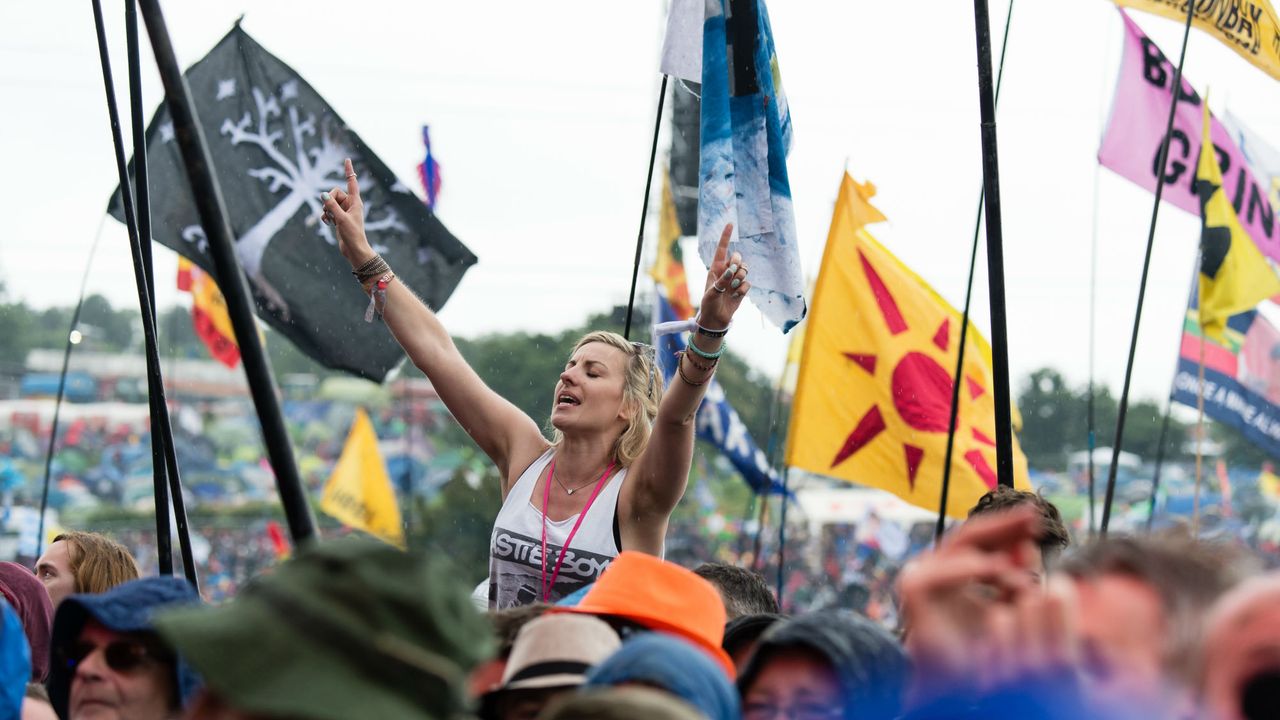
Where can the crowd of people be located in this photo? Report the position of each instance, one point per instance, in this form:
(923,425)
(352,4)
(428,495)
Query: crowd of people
(582,615)
(1003,619)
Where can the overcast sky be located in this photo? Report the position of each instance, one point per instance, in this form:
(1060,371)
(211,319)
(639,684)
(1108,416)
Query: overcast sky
(541,117)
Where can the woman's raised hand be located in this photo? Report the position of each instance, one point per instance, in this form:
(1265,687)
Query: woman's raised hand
(344,210)
(726,284)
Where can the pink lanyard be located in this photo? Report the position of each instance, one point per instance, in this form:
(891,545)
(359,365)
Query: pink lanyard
(546,500)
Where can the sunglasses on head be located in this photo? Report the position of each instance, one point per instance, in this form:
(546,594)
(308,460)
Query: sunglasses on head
(120,655)
(650,352)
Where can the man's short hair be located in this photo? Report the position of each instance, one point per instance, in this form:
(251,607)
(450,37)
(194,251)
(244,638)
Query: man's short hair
(507,623)
(1188,575)
(97,562)
(1054,537)
(744,592)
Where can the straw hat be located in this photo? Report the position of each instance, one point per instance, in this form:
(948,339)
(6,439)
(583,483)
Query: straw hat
(557,651)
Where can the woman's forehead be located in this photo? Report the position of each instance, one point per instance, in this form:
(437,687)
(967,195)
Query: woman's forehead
(599,352)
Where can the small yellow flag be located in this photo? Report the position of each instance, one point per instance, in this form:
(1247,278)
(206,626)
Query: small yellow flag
(359,492)
(1234,274)
(873,399)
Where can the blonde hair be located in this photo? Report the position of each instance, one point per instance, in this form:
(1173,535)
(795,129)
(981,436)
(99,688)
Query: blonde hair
(97,562)
(641,394)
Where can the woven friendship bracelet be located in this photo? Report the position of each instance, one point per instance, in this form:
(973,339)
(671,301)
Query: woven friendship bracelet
(703,353)
(372,269)
(685,378)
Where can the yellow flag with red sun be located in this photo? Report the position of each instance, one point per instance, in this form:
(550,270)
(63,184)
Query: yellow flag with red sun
(873,398)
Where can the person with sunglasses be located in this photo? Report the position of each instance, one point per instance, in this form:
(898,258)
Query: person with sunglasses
(108,663)
(619,457)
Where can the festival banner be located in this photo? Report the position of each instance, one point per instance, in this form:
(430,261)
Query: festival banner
(1234,276)
(1135,132)
(1241,376)
(1249,27)
(746,134)
(276,145)
(359,492)
(873,399)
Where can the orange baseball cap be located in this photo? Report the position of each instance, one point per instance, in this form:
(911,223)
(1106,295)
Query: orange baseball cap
(662,597)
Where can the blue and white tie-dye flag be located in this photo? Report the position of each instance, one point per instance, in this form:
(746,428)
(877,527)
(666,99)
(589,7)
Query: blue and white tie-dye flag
(746,134)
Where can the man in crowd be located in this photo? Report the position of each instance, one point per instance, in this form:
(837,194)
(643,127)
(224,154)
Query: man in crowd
(1142,604)
(744,592)
(349,628)
(83,562)
(108,662)
(1054,537)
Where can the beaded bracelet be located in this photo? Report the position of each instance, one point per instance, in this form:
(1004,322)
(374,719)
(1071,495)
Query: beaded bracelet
(685,378)
(705,368)
(703,353)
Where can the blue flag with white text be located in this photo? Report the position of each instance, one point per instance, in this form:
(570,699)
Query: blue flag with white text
(746,134)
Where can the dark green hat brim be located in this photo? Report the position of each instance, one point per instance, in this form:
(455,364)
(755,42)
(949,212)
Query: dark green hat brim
(261,664)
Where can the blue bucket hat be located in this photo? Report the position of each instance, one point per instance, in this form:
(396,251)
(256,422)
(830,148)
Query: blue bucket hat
(126,608)
(674,665)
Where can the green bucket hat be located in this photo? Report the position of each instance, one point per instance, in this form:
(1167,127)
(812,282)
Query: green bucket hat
(348,628)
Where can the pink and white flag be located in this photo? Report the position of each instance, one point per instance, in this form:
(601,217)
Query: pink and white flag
(1131,146)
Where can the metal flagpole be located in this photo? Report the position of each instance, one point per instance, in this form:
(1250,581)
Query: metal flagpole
(213,218)
(142,212)
(644,210)
(995,249)
(964,318)
(62,385)
(1176,90)
(154,378)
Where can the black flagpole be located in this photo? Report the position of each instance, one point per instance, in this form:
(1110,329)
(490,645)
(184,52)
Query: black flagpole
(995,249)
(1176,90)
(964,319)
(154,379)
(230,277)
(62,384)
(644,211)
(142,197)
(1155,480)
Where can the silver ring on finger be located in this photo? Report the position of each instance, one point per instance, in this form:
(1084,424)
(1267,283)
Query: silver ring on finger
(351,176)
(719,289)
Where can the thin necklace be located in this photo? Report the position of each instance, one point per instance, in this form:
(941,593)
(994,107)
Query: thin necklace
(568,490)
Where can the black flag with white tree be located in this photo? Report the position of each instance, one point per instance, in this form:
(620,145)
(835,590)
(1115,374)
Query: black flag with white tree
(276,145)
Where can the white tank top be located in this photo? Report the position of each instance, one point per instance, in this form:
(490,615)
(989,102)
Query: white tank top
(515,548)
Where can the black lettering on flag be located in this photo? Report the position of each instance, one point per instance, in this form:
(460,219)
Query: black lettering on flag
(276,145)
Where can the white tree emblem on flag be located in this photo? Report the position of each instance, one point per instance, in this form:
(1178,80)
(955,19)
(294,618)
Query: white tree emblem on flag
(315,167)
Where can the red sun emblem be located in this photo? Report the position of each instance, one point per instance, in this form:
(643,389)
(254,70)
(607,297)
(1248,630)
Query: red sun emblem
(921,390)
